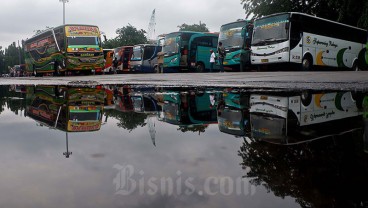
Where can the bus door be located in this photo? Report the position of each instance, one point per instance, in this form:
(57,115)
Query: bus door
(126,58)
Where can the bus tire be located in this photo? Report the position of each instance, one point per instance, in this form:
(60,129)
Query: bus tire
(156,69)
(34,72)
(307,63)
(200,67)
(306,97)
(56,69)
(355,66)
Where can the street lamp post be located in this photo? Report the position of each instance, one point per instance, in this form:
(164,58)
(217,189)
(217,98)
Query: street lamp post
(64,1)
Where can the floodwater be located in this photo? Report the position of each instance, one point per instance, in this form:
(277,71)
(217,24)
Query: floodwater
(132,146)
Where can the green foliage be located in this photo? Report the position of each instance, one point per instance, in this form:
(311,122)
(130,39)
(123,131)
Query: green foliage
(128,120)
(195,27)
(351,12)
(10,57)
(128,35)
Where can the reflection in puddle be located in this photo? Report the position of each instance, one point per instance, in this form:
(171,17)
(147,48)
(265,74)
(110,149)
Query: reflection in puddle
(298,148)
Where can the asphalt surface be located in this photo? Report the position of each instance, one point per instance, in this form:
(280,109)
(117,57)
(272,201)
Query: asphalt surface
(346,80)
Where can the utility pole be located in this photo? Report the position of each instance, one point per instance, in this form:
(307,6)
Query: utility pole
(64,1)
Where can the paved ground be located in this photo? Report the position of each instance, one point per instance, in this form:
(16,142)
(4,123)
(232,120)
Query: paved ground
(285,80)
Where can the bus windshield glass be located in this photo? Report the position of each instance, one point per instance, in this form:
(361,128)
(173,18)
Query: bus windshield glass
(137,53)
(230,35)
(171,46)
(270,30)
(231,119)
(83,41)
(81,115)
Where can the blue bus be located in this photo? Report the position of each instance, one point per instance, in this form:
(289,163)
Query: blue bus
(236,38)
(188,51)
(144,58)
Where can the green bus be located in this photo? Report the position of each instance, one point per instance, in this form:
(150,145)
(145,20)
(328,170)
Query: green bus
(67,108)
(236,38)
(188,51)
(189,108)
(233,113)
(65,49)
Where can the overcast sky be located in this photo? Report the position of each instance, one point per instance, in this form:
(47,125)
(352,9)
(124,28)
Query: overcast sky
(20,18)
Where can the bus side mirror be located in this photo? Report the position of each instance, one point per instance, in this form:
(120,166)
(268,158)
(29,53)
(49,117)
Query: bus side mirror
(287,26)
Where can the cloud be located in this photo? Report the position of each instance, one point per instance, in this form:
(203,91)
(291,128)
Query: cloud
(19,19)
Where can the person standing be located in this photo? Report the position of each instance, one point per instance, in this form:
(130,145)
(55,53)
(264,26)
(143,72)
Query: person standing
(212,59)
(221,56)
(115,63)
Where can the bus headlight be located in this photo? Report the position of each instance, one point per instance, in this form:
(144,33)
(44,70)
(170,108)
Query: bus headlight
(236,56)
(72,61)
(174,60)
(282,50)
(99,61)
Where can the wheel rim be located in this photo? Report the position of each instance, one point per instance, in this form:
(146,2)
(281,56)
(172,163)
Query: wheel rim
(306,64)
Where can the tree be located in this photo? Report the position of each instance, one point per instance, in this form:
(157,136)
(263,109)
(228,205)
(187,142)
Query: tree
(128,35)
(195,27)
(350,12)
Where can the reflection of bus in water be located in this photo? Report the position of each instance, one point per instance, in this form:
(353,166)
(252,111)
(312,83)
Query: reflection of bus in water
(139,102)
(70,109)
(144,58)
(236,38)
(185,108)
(277,116)
(233,113)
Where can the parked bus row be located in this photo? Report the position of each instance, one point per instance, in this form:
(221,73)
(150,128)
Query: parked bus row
(279,41)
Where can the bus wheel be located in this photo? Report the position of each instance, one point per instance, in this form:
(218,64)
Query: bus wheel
(200,67)
(156,69)
(355,66)
(306,97)
(307,63)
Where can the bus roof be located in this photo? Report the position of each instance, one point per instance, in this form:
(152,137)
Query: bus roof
(54,28)
(303,14)
(240,20)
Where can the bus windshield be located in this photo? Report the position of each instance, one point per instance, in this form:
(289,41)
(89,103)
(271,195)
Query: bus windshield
(230,35)
(171,46)
(270,30)
(83,41)
(137,53)
(81,115)
(231,119)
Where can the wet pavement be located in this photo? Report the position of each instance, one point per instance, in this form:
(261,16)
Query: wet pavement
(344,80)
(123,145)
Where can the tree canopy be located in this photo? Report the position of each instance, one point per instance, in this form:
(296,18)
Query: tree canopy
(201,27)
(351,12)
(128,35)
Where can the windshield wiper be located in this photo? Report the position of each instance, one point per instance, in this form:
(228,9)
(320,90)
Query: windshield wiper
(259,43)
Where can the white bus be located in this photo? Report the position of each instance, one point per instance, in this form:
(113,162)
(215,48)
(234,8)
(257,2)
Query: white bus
(297,38)
(272,116)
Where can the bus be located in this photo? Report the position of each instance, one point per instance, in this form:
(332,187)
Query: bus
(67,48)
(189,108)
(188,51)
(67,108)
(233,113)
(363,56)
(108,57)
(236,38)
(305,41)
(123,55)
(275,116)
(144,58)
